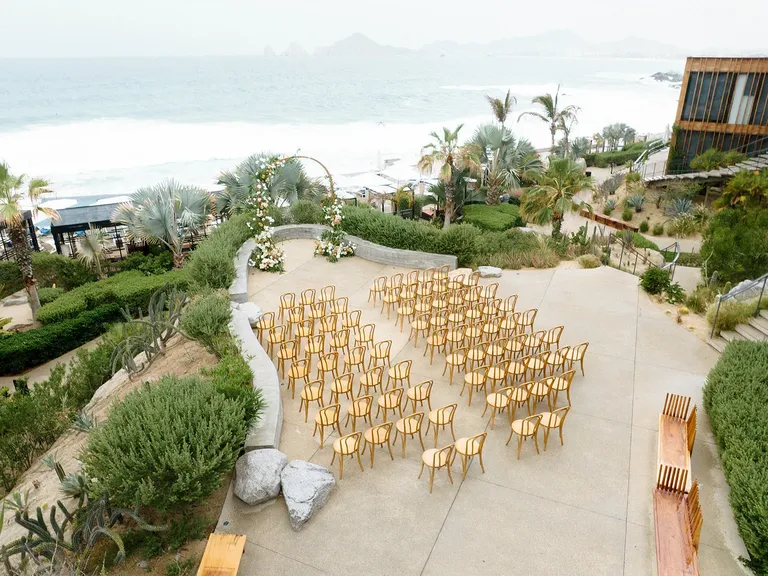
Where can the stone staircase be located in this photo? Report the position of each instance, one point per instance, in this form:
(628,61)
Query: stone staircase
(756,330)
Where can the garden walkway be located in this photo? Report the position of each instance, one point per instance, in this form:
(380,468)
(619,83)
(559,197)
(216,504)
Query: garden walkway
(581,509)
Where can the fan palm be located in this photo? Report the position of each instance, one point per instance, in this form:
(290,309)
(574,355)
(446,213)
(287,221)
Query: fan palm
(502,108)
(12,196)
(165,214)
(554,194)
(551,113)
(443,151)
(289,183)
(579,147)
(92,249)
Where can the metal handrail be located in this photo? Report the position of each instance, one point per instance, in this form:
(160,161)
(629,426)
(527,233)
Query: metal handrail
(671,267)
(733,293)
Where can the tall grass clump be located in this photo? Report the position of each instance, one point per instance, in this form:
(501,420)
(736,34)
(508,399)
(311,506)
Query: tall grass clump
(206,319)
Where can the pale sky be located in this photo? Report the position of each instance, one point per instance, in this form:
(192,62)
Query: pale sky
(76,28)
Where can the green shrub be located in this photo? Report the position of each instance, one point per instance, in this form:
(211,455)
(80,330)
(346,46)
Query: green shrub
(735,244)
(658,229)
(48,295)
(156,262)
(167,444)
(654,280)
(609,207)
(233,378)
(306,212)
(627,214)
(640,241)
(633,178)
(736,400)
(589,261)
(211,264)
(493,218)
(692,259)
(675,293)
(700,299)
(635,201)
(644,226)
(459,240)
(515,249)
(731,314)
(127,289)
(49,269)
(206,319)
(24,350)
(630,153)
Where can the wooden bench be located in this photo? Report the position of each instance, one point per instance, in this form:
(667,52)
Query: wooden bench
(677,432)
(677,519)
(222,555)
(608,221)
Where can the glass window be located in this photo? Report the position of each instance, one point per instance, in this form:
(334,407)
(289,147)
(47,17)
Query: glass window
(743,101)
(689,91)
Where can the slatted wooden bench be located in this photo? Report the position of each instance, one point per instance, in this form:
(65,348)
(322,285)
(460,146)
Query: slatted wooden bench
(677,433)
(222,555)
(677,519)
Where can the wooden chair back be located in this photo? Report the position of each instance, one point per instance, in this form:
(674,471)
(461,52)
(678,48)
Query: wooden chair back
(691,429)
(327,293)
(329,415)
(441,457)
(528,317)
(308,297)
(382,349)
(287,301)
(343,384)
(351,319)
(553,335)
(412,278)
(361,406)
(509,303)
(341,305)
(443,271)
(366,333)
(402,369)
(578,351)
(348,444)
(329,323)
(380,433)
(475,443)
(671,479)
(676,406)
(445,414)
(695,518)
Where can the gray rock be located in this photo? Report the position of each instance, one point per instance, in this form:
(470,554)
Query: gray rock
(257,475)
(306,488)
(15,301)
(489,271)
(143,564)
(252,310)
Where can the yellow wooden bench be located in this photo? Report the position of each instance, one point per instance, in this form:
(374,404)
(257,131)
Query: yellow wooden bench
(222,555)
(677,432)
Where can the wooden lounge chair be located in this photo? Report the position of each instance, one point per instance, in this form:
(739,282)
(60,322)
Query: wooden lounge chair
(677,432)
(222,555)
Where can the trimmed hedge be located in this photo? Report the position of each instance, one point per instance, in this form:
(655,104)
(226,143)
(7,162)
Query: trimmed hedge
(692,259)
(49,269)
(617,157)
(127,289)
(493,218)
(24,350)
(735,244)
(736,400)
(211,264)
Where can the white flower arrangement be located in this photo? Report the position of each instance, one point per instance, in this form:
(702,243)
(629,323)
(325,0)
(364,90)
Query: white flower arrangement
(266,256)
(333,244)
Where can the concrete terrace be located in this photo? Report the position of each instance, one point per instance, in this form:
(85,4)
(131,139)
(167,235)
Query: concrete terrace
(581,509)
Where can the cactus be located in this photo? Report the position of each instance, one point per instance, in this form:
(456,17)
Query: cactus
(51,462)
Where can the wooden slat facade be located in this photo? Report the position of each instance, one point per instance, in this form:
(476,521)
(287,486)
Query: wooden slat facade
(706,99)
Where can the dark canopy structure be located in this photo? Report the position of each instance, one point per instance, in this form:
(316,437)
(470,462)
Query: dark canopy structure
(79,219)
(5,251)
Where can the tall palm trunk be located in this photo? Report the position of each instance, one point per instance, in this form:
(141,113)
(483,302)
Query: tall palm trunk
(492,196)
(23,256)
(449,203)
(557,224)
(178,259)
(553,133)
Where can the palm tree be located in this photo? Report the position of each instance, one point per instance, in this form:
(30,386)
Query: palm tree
(499,160)
(12,195)
(552,114)
(502,108)
(443,151)
(566,126)
(92,249)
(165,214)
(579,147)
(555,194)
(289,183)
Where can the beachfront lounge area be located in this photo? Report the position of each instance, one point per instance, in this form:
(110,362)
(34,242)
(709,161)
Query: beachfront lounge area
(583,507)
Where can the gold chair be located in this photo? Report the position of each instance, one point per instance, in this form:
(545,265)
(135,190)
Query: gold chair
(348,445)
(474,312)
(395,281)
(419,325)
(435,459)
(473,279)
(364,336)
(372,379)
(475,381)
(378,436)
(328,363)
(275,338)
(264,324)
(412,278)
(340,305)
(488,292)
(472,294)
(518,396)
(498,402)
(425,288)
(312,392)
(562,383)
(457,316)
(409,426)
(392,400)
(552,336)
(381,352)
(492,309)
(442,272)
(442,417)
(351,321)
(440,286)
(340,341)
(329,324)
(355,358)
(342,385)
(378,289)
(497,350)
(315,346)
(439,303)
(390,300)
(436,341)
(497,373)
(359,408)
(287,301)
(557,359)
(427,275)
(509,324)
(477,355)
(327,294)
(456,282)
(491,329)
(294,317)
(518,368)
(466,448)
(439,320)
(508,304)
(540,391)
(288,351)
(515,345)
(576,354)
(420,394)
(423,305)
(456,298)
(317,311)
(552,420)
(406,309)
(533,341)
(327,417)
(455,337)
(527,319)
(307,297)
(305,330)
(455,361)
(299,370)
(525,428)
(474,333)
(400,373)
(537,363)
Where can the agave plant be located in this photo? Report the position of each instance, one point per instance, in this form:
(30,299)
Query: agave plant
(92,249)
(84,422)
(678,206)
(636,201)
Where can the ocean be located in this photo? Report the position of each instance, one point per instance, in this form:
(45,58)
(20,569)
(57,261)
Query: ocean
(104,127)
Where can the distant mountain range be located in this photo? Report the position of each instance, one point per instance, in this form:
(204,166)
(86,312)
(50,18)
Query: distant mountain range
(557,43)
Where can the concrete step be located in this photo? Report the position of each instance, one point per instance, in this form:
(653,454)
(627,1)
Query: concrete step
(731,336)
(750,333)
(717,343)
(764,314)
(760,324)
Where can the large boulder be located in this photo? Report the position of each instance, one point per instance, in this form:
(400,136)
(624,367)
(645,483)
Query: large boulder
(252,310)
(489,271)
(257,475)
(306,488)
